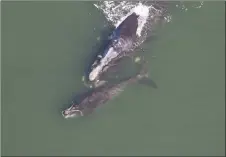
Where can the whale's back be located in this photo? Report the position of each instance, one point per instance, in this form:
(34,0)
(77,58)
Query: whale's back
(129,26)
(120,42)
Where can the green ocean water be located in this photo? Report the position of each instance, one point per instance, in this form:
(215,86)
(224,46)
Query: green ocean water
(45,46)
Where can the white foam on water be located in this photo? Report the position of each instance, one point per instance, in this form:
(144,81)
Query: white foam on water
(148,11)
(114,11)
(117,11)
(197,5)
(142,11)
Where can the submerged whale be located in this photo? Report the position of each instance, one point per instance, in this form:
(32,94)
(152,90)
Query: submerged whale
(101,95)
(120,44)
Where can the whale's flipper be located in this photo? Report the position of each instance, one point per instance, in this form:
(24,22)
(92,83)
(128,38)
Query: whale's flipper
(149,82)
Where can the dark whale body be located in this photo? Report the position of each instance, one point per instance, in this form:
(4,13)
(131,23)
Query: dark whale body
(98,96)
(121,41)
(128,28)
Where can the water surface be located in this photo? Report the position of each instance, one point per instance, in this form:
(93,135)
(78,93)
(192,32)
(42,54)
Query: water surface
(44,49)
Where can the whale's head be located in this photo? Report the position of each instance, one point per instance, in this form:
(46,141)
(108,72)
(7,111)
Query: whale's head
(72,112)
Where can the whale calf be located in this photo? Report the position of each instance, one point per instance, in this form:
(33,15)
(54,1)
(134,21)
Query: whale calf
(98,96)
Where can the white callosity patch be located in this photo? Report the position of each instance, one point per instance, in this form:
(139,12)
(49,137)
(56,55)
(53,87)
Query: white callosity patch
(113,52)
(104,61)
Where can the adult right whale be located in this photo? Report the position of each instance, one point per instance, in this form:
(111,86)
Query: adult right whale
(120,44)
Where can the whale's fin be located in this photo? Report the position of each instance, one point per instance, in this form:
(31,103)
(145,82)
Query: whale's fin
(143,76)
(148,81)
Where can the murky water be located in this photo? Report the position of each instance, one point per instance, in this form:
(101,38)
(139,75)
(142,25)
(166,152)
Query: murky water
(45,46)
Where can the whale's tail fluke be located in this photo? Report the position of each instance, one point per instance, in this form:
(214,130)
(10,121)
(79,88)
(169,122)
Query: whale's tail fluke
(149,82)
